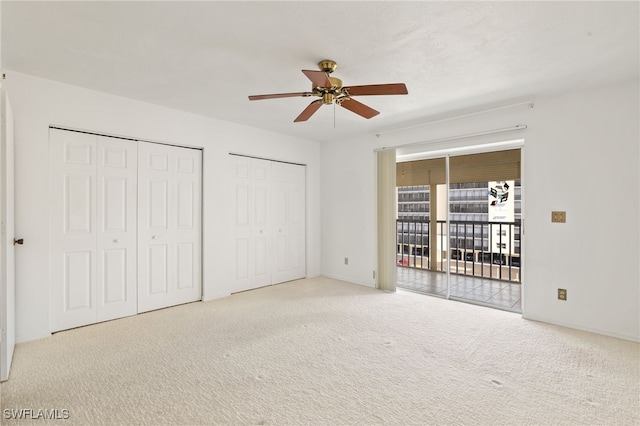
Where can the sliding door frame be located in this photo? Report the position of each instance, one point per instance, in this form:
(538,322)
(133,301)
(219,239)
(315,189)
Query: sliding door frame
(468,149)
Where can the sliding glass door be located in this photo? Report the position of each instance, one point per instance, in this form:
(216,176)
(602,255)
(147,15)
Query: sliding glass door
(459,226)
(421,237)
(484,228)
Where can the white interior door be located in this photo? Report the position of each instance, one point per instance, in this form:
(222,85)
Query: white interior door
(268,215)
(72,228)
(93,228)
(169,225)
(7,279)
(250,201)
(260,266)
(240,200)
(289,221)
(117,187)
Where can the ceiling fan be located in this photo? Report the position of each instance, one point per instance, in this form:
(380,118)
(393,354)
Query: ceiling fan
(331,90)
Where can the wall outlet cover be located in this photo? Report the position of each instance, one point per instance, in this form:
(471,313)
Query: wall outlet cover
(558,217)
(562,294)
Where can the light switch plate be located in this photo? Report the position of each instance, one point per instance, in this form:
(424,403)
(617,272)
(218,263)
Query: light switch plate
(559,217)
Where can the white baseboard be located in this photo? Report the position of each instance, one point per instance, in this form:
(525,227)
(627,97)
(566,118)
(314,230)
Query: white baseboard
(215,296)
(350,280)
(608,333)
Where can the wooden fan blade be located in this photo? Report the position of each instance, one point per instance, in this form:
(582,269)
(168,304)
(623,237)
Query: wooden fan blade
(359,108)
(309,111)
(278,95)
(377,89)
(318,78)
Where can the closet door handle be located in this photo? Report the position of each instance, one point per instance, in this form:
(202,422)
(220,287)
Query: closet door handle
(19,241)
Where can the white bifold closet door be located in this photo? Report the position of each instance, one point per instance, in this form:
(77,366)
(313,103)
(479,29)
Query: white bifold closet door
(125,227)
(169,225)
(289,221)
(251,230)
(268,217)
(93,228)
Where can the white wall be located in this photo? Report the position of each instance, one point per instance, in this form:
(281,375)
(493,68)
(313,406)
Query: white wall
(349,211)
(38,103)
(581,155)
(0,35)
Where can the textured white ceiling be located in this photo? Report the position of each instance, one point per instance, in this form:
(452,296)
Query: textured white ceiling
(207,57)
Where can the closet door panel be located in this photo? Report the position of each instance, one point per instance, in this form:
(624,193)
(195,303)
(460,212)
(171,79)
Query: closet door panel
(240,216)
(185,261)
(115,276)
(158,270)
(72,229)
(289,199)
(261,227)
(188,224)
(297,223)
(269,221)
(116,237)
(78,280)
(169,226)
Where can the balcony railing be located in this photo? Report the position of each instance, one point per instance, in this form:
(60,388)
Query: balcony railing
(481,249)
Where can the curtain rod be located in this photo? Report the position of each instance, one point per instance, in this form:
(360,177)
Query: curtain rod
(453,138)
(456,117)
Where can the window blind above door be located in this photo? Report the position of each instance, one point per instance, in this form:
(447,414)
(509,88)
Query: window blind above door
(485,167)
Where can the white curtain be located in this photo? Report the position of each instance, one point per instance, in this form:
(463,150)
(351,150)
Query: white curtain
(387,219)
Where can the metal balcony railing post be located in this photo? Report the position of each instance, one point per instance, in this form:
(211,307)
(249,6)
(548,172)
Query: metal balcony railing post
(500,251)
(402,246)
(442,263)
(421,246)
(510,250)
(473,248)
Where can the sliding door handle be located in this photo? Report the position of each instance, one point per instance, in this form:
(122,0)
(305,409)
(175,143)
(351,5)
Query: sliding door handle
(20,241)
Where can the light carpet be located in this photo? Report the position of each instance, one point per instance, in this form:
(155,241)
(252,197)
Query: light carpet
(325,352)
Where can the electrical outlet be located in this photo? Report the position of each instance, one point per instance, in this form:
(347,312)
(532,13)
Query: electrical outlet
(562,294)
(346,260)
(559,217)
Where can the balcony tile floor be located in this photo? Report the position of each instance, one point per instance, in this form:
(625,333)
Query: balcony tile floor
(499,294)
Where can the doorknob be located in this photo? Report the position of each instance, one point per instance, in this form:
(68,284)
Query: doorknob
(20,241)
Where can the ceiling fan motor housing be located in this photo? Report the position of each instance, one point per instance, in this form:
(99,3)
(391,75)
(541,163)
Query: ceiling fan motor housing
(327,98)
